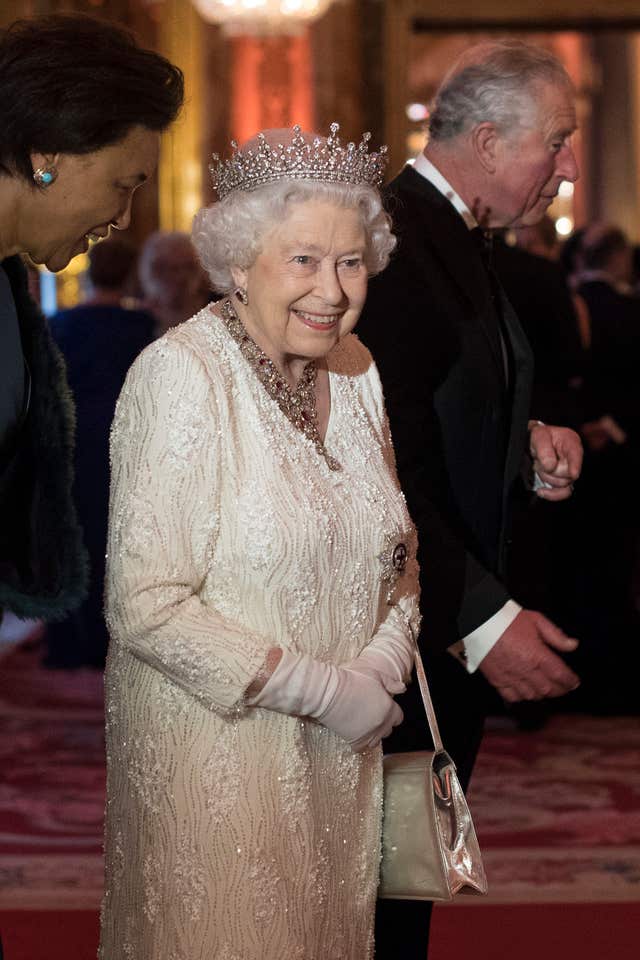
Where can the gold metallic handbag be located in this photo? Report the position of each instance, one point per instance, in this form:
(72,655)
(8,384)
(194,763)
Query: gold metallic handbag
(429,845)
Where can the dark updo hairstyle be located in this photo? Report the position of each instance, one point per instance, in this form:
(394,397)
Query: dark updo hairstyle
(75,84)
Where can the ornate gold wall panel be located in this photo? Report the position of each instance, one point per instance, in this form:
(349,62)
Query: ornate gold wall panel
(180,175)
(506,11)
(339,83)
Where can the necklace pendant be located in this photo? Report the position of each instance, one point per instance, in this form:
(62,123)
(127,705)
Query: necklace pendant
(299,405)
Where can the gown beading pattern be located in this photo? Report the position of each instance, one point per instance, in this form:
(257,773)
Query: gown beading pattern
(237,833)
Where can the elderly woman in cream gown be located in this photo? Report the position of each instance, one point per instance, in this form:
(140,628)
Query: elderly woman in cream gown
(262,584)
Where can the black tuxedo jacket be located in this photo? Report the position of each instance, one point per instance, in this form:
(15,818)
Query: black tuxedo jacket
(459,428)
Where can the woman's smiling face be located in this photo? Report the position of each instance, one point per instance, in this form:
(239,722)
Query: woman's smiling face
(308,284)
(91,194)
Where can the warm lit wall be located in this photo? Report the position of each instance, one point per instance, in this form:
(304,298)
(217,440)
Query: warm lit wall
(271,84)
(615,187)
(634,101)
(180,175)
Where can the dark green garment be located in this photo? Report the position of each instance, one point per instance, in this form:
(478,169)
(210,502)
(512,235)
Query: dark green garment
(12,392)
(43,568)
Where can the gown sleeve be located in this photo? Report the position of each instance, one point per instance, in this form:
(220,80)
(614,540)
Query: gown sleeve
(163,520)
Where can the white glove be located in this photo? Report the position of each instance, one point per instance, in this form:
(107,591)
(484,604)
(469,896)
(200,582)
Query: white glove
(388,656)
(355,706)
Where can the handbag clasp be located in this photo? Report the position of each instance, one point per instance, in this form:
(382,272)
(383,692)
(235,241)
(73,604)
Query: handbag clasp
(442,786)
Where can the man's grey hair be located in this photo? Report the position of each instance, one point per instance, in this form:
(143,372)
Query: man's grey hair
(493,82)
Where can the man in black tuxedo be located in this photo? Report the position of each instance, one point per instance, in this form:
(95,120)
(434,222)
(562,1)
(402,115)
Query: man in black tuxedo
(457,372)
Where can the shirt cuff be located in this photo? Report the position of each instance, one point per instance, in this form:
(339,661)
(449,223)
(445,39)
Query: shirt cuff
(538,484)
(473,648)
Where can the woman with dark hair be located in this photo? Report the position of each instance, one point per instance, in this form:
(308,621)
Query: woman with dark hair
(81,110)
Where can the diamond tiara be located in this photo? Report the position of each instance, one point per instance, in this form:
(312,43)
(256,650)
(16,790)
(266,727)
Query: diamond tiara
(320,159)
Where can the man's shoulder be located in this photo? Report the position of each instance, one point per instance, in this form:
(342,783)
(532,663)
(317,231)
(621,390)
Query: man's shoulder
(409,194)
(420,213)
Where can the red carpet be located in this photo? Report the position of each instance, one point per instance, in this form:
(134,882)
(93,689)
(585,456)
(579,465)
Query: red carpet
(576,931)
(516,932)
(49,935)
(557,814)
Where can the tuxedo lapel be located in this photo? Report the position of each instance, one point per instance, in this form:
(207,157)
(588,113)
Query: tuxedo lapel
(446,234)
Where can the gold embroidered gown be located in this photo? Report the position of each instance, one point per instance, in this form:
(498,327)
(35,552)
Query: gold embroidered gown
(236,833)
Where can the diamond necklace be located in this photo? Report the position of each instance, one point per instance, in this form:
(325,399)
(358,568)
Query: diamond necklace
(299,405)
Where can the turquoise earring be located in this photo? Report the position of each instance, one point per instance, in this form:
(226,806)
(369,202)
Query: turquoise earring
(44,176)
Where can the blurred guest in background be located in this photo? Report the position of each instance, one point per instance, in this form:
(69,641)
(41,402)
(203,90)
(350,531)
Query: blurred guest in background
(604,606)
(99,340)
(570,259)
(541,239)
(614,314)
(81,111)
(174,285)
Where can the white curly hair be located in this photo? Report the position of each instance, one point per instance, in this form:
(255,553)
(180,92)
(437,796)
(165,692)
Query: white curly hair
(231,232)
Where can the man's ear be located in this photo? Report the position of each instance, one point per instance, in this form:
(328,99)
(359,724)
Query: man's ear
(485,141)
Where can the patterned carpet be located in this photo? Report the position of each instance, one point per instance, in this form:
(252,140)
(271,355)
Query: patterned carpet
(51,785)
(557,811)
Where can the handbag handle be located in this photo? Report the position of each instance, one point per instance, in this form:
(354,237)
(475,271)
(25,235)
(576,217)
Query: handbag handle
(424,686)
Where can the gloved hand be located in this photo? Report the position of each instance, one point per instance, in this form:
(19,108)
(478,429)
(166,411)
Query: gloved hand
(355,706)
(361,710)
(388,656)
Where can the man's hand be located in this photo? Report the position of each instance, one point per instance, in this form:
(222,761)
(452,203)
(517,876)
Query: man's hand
(557,459)
(522,665)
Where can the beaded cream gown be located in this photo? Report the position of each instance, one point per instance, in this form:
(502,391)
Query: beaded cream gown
(237,833)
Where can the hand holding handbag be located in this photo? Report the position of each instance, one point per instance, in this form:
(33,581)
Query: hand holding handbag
(429,845)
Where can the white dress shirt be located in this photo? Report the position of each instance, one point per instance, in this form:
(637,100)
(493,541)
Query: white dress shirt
(472,649)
